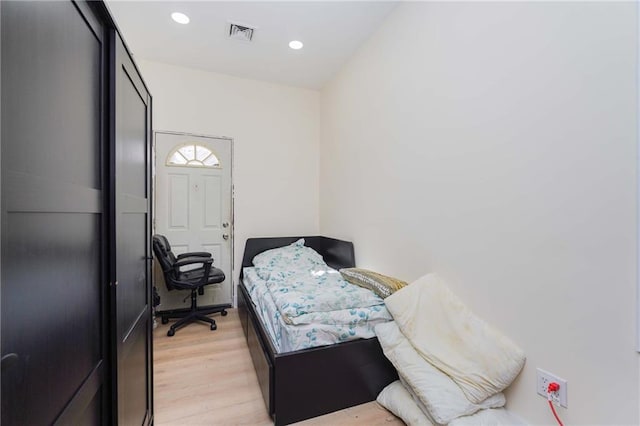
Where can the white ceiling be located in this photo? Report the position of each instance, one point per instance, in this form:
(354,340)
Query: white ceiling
(331,33)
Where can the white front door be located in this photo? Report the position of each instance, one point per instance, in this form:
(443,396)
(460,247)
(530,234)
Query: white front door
(193,208)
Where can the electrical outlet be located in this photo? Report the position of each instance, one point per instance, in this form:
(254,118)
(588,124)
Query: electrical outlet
(544,378)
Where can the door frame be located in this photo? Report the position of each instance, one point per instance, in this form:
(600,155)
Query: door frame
(154,165)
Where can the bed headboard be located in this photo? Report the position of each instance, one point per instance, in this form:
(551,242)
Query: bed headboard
(336,253)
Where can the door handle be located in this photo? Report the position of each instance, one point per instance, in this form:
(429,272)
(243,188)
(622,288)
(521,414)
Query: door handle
(225,237)
(9,361)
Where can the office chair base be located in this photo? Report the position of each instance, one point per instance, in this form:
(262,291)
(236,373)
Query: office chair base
(165,316)
(189,319)
(194,313)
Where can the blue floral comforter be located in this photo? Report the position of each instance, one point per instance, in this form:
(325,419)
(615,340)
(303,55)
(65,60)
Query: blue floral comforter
(303,287)
(311,329)
(305,296)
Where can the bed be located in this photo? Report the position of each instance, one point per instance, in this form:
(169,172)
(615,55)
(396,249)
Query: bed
(306,383)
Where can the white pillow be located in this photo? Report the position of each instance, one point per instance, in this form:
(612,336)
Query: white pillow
(294,257)
(440,395)
(492,417)
(419,403)
(396,399)
(445,332)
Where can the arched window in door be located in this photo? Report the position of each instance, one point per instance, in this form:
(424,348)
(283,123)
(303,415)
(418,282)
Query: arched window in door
(193,155)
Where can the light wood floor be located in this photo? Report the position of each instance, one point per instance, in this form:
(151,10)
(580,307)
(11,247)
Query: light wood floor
(204,377)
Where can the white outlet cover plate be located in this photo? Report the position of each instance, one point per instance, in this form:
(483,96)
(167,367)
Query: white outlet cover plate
(542,382)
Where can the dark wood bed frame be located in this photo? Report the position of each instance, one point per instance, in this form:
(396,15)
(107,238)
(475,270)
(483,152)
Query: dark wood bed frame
(312,382)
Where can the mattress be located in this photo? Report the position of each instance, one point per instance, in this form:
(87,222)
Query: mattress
(322,328)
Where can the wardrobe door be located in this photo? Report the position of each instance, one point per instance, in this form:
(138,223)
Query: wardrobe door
(54,280)
(132,240)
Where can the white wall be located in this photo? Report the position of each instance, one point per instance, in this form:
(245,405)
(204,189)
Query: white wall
(275,131)
(495,143)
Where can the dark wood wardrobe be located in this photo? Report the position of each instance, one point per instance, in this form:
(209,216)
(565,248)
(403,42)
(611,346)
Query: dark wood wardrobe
(75,285)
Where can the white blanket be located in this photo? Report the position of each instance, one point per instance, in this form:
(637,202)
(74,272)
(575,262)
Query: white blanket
(437,395)
(446,333)
(491,417)
(398,400)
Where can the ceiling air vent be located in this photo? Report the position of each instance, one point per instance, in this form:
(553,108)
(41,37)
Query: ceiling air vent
(240,32)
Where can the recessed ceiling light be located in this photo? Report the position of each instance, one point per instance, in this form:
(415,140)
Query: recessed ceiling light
(295,44)
(180,18)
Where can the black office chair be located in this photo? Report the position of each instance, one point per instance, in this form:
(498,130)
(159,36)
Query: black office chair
(193,279)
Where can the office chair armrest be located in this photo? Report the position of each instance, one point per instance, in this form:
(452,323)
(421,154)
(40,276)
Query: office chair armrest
(206,268)
(194,254)
(191,260)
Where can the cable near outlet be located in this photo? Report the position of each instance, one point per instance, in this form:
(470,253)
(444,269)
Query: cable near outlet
(551,389)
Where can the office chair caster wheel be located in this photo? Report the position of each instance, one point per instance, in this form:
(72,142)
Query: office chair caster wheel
(214,327)
(165,320)
(171,332)
(224,313)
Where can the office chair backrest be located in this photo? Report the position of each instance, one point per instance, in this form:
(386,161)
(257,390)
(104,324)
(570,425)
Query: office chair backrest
(165,257)
(166,247)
